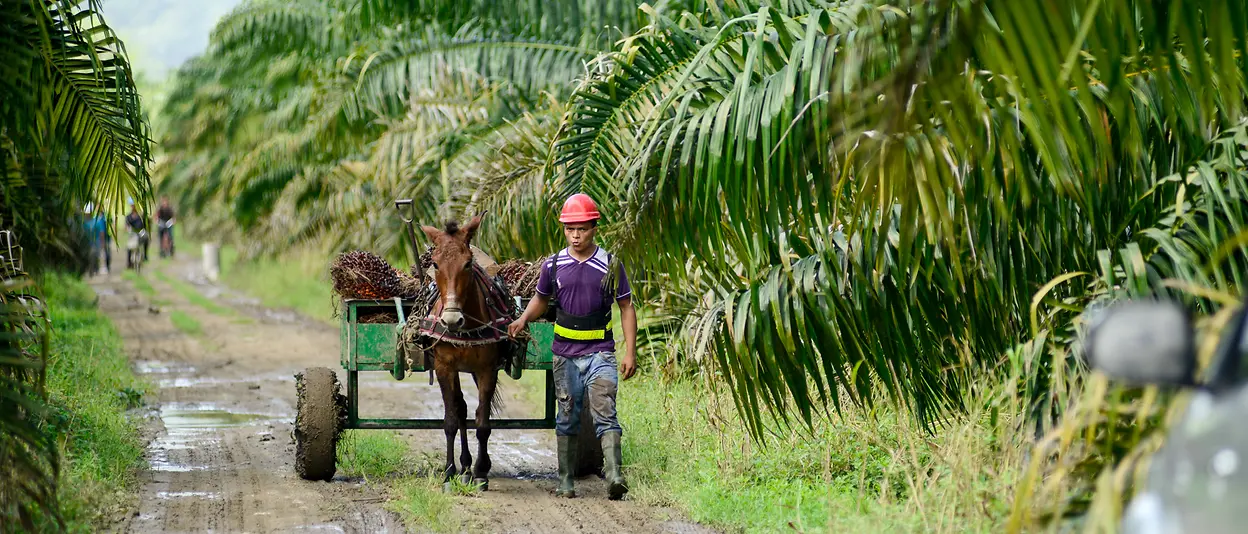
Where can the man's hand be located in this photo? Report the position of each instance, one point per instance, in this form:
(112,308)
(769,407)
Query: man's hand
(628,366)
(628,320)
(516,327)
(536,307)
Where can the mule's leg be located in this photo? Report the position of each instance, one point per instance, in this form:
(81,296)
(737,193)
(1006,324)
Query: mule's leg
(450,420)
(465,455)
(487,383)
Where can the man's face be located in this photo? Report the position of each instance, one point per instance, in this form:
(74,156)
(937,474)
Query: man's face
(580,235)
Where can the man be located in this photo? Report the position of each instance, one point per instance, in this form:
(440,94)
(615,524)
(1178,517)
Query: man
(136,223)
(97,234)
(95,245)
(584,349)
(106,239)
(164,225)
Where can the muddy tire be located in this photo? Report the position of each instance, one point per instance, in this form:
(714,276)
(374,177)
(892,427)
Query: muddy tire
(318,423)
(589,448)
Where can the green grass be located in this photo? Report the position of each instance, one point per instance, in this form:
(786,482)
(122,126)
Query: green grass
(299,281)
(413,485)
(374,454)
(422,505)
(855,473)
(140,283)
(195,297)
(184,322)
(90,387)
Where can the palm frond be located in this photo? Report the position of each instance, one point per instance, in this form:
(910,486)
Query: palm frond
(419,61)
(266,26)
(94,107)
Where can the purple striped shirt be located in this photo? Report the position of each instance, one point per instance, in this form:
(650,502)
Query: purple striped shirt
(580,293)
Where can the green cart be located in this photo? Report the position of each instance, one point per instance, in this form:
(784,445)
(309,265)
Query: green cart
(323,412)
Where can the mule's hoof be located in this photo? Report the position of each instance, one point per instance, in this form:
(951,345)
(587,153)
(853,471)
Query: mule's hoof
(446,488)
(568,494)
(482,484)
(466,479)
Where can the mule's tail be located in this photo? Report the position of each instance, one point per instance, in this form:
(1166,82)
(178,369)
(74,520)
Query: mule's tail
(496,403)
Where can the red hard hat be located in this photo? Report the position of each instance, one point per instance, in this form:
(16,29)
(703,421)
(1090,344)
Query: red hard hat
(579,208)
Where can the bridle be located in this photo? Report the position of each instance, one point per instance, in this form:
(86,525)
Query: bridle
(435,329)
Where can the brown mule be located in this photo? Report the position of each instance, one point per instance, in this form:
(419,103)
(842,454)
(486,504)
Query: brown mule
(463,307)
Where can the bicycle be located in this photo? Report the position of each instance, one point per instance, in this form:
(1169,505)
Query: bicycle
(165,229)
(134,249)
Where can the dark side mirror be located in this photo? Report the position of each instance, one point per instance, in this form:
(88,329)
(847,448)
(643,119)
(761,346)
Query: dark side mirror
(1143,342)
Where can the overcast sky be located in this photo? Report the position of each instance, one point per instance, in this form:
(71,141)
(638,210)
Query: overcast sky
(161,34)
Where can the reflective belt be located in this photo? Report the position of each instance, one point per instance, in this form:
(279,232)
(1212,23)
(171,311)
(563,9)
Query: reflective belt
(582,335)
(592,327)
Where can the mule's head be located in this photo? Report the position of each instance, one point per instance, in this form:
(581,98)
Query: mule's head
(453,261)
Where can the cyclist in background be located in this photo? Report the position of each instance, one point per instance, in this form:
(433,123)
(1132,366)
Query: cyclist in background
(164,225)
(137,224)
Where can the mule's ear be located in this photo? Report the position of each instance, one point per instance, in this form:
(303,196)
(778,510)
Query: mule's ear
(469,230)
(432,233)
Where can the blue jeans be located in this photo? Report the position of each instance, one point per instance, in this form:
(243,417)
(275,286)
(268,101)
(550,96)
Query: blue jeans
(593,377)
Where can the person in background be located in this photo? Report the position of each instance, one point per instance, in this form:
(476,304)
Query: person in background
(136,223)
(147,243)
(94,245)
(106,239)
(97,227)
(164,225)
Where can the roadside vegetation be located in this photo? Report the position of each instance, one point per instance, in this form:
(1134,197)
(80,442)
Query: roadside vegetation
(859,471)
(90,388)
(296,281)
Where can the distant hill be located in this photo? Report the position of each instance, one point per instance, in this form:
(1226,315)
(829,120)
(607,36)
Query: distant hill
(161,34)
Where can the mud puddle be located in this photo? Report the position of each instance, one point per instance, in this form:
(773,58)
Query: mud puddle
(207,418)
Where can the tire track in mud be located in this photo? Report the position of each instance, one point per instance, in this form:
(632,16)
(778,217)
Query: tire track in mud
(222,457)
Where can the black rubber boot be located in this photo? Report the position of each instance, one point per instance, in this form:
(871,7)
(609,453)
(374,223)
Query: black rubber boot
(567,465)
(612,457)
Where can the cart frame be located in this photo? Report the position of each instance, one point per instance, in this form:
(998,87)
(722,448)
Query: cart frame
(376,347)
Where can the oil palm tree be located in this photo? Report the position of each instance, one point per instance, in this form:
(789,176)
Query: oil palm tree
(406,88)
(744,136)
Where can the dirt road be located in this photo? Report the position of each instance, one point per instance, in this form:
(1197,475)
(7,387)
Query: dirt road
(221,455)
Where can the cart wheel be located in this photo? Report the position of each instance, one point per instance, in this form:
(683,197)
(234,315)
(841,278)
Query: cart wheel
(318,423)
(589,449)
